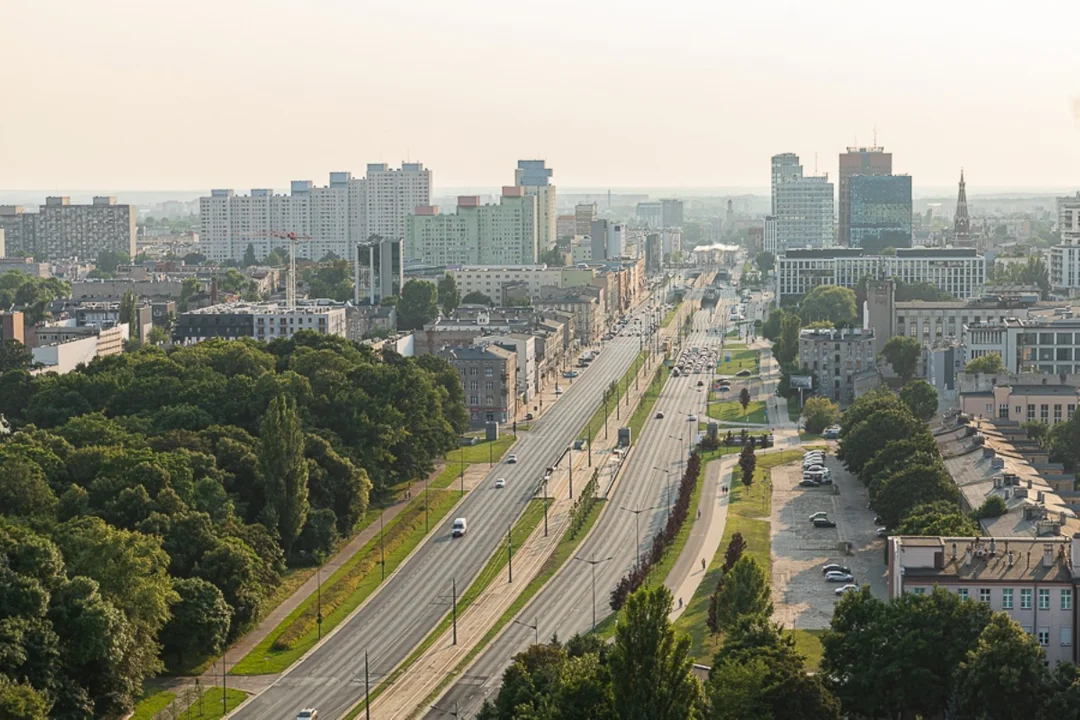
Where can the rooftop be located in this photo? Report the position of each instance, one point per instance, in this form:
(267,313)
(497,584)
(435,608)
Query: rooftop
(988,559)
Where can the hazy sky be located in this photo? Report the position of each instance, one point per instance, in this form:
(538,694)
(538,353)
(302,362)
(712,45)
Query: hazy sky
(192,94)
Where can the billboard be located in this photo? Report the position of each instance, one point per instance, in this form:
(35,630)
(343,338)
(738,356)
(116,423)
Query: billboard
(801,382)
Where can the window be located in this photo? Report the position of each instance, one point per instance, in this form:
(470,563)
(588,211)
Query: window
(472,371)
(1019,410)
(1057,412)
(963,593)
(1044,599)
(1025,599)
(1030,412)
(1066,636)
(1003,410)
(488,372)
(1007,599)
(1026,629)
(1044,635)
(1071,409)
(1044,413)
(1066,599)
(919,591)
(984,595)
(489,385)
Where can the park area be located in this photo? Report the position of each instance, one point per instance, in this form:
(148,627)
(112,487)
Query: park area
(742,358)
(732,411)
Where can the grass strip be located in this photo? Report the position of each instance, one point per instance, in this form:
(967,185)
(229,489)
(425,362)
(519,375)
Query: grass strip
(732,411)
(671,315)
(566,548)
(208,707)
(526,523)
(648,401)
(741,359)
(596,422)
(151,705)
(347,588)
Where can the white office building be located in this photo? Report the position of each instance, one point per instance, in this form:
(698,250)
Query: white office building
(1065,258)
(330,219)
(769,235)
(535,177)
(785,166)
(804,213)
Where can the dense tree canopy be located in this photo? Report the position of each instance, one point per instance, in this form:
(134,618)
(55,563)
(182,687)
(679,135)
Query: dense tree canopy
(989,364)
(902,353)
(820,413)
(418,304)
(830,302)
(449,294)
(30,294)
(921,398)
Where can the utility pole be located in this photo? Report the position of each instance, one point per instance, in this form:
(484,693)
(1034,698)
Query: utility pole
(535,627)
(318,617)
(592,569)
(637,529)
(545,481)
(509,554)
(462,465)
(453,597)
(367,689)
(590,445)
(382,547)
(427,519)
(570,468)
(224,693)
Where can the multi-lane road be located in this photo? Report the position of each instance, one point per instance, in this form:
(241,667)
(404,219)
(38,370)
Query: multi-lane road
(565,605)
(412,601)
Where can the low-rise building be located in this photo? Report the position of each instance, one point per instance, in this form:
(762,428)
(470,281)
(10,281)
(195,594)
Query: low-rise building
(63,346)
(1020,403)
(837,359)
(488,379)
(587,305)
(263,321)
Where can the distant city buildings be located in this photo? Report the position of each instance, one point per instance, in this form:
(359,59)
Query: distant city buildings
(535,177)
(478,234)
(262,321)
(672,215)
(961,235)
(769,240)
(332,219)
(804,213)
(878,212)
(785,167)
(489,379)
(584,214)
(838,360)
(650,214)
(61,230)
(864,161)
(379,269)
(1065,258)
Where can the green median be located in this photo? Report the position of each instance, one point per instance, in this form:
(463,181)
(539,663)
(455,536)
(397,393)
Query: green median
(209,705)
(458,461)
(348,587)
(595,426)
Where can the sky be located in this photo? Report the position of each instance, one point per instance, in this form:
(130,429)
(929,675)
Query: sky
(194,94)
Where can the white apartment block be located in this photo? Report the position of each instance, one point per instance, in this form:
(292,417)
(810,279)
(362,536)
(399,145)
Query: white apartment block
(335,218)
(60,230)
(273,321)
(769,235)
(490,280)
(785,166)
(535,177)
(958,271)
(478,234)
(805,214)
(1065,258)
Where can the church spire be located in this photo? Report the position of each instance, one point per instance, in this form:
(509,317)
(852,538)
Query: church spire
(961,221)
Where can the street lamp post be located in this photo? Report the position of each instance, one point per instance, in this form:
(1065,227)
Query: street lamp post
(535,627)
(570,468)
(382,547)
(509,554)
(637,529)
(592,569)
(667,488)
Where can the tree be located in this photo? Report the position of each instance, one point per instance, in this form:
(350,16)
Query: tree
(830,302)
(989,364)
(418,305)
(197,258)
(109,260)
(553,257)
(903,354)
(906,292)
(745,593)
(910,486)
(128,305)
(735,549)
(20,701)
(199,625)
(820,413)
(937,519)
(765,262)
(283,470)
(744,399)
(449,295)
(14,356)
(157,336)
(994,506)
(867,437)
(249,256)
(921,398)
(787,347)
(477,298)
(1003,675)
(747,464)
(332,280)
(770,329)
(651,668)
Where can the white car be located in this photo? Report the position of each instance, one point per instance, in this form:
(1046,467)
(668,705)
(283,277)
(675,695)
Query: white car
(500,483)
(692,418)
(511,458)
(308,714)
(839,577)
(850,587)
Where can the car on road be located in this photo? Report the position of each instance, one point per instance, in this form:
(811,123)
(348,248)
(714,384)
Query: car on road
(500,483)
(511,458)
(832,432)
(558,389)
(878,521)
(581,444)
(530,416)
(850,587)
(882,532)
(570,374)
(659,415)
(700,383)
(807,482)
(692,417)
(461,526)
(743,373)
(724,388)
(818,514)
(835,567)
(824,523)
(308,714)
(837,576)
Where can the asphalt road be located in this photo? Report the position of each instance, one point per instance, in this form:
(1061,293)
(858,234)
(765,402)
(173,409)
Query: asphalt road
(411,602)
(565,606)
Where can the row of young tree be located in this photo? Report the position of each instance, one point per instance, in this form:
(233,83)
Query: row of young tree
(150,502)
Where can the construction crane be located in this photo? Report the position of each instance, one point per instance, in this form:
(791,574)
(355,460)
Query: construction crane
(293,238)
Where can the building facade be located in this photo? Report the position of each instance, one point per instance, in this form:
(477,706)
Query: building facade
(768,237)
(864,161)
(1031,345)
(490,280)
(785,167)
(584,214)
(378,270)
(1022,404)
(334,218)
(836,359)
(878,212)
(61,230)
(672,212)
(488,379)
(650,214)
(263,321)
(1065,258)
(477,234)
(535,177)
(804,213)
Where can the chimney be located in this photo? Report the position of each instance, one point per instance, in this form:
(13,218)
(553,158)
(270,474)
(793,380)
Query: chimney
(1048,555)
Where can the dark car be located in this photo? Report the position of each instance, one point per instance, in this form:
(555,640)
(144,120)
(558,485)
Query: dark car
(809,483)
(743,373)
(700,383)
(824,523)
(835,567)
(529,416)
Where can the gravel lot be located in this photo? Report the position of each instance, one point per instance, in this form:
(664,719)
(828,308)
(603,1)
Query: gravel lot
(799,550)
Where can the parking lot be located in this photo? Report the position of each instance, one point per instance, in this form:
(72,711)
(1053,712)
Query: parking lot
(801,596)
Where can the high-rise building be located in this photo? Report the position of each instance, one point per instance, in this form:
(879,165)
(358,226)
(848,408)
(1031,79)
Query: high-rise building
(654,256)
(804,213)
(1065,258)
(535,177)
(961,220)
(858,161)
(608,240)
(651,214)
(335,218)
(584,213)
(478,234)
(378,270)
(672,215)
(60,230)
(879,212)
(785,166)
(729,217)
(769,236)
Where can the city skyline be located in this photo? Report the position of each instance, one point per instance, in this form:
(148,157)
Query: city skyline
(949,95)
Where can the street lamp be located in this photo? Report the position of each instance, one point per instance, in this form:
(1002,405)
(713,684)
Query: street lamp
(667,488)
(681,441)
(592,569)
(637,529)
(535,627)
(452,713)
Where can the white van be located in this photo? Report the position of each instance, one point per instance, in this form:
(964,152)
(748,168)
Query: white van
(461,526)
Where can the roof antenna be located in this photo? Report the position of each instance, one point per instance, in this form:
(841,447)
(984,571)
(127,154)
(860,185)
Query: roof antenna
(875,136)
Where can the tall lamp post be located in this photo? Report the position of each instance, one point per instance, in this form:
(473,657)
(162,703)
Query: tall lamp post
(667,488)
(592,569)
(535,627)
(637,529)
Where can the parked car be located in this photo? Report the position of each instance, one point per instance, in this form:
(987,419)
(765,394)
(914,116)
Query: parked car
(839,577)
(570,374)
(511,458)
(500,483)
(530,416)
(878,521)
(824,523)
(832,433)
(835,567)
(807,482)
(850,587)
(581,444)
(883,532)
(700,383)
(743,373)
(692,418)
(818,514)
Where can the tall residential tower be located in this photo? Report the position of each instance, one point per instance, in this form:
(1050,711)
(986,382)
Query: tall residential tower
(535,177)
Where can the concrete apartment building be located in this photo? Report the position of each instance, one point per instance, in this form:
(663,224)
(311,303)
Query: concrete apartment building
(379,270)
(336,217)
(262,321)
(492,280)
(535,177)
(60,230)
(804,213)
(477,234)
(525,347)
(1065,258)
(1030,579)
(961,272)
(11,326)
(785,166)
(1036,344)
(587,305)
(584,215)
(488,379)
(865,162)
(839,360)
